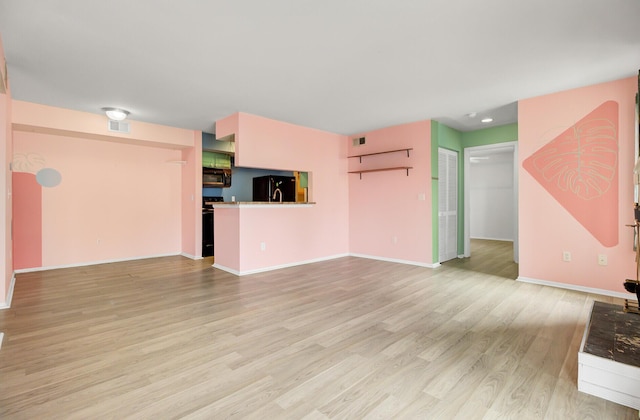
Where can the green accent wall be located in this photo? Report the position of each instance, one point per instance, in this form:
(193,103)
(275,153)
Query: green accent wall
(449,138)
(491,135)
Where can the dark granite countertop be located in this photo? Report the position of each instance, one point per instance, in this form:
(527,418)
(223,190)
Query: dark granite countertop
(614,334)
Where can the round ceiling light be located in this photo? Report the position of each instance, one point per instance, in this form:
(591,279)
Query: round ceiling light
(487,120)
(116,114)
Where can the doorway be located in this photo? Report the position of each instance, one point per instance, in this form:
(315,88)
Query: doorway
(491,194)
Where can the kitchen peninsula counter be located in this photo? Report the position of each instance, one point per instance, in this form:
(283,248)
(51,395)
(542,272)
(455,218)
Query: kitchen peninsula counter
(227,204)
(253,236)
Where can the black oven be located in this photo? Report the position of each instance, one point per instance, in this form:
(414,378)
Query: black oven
(207,225)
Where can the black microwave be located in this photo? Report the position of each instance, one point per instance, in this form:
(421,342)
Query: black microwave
(216,178)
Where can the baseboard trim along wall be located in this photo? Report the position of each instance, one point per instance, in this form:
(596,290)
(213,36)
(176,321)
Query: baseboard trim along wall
(7,303)
(276,267)
(191,257)
(394,260)
(591,290)
(85,264)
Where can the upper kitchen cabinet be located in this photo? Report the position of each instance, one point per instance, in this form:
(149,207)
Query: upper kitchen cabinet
(216,160)
(217,153)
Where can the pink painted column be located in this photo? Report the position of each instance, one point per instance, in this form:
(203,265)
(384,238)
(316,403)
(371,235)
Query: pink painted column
(27,221)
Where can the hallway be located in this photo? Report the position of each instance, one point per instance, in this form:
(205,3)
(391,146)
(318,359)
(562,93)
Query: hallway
(489,257)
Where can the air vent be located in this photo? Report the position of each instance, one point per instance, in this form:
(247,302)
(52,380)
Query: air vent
(119,126)
(358,141)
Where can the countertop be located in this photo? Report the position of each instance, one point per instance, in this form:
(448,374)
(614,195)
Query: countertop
(262,204)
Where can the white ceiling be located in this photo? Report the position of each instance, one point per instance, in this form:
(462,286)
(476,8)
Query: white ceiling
(344,66)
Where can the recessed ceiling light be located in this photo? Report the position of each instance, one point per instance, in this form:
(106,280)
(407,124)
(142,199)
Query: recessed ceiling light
(486,120)
(472,115)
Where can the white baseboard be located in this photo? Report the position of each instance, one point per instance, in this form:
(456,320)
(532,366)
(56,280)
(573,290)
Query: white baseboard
(227,269)
(492,239)
(7,302)
(591,290)
(277,267)
(191,257)
(84,264)
(395,260)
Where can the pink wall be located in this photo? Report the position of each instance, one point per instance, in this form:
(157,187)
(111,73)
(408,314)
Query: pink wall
(114,201)
(28,116)
(27,222)
(5,190)
(265,143)
(228,125)
(192,198)
(548,223)
(387,217)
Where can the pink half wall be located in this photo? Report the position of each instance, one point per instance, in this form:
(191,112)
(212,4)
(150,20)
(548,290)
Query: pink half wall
(550,221)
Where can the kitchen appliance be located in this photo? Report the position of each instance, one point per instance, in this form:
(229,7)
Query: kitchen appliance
(216,178)
(274,188)
(207,225)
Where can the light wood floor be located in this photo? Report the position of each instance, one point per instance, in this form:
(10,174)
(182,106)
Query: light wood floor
(489,257)
(349,338)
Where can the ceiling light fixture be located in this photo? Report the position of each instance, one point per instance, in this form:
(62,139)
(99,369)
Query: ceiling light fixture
(472,115)
(486,120)
(116,114)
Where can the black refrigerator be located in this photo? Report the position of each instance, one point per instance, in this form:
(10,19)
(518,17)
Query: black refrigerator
(271,187)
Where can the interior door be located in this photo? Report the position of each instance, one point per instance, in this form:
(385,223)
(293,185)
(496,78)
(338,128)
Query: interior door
(447,204)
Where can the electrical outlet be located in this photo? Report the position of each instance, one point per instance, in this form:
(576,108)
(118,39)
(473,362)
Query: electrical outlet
(395,239)
(566,256)
(602,259)
(263,246)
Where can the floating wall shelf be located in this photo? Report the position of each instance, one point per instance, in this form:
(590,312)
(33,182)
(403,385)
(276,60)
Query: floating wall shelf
(395,168)
(382,169)
(381,153)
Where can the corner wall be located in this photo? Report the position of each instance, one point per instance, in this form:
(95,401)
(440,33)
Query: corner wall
(103,196)
(112,201)
(451,139)
(565,206)
(390,211)
(6,145)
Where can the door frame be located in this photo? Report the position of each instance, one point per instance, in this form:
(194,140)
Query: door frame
(455,153)
(467,194)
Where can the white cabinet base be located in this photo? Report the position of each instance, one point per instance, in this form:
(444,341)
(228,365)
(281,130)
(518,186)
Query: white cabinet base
(606,378)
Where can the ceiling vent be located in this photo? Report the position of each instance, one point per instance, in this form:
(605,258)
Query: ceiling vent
(358,141)
(118,126)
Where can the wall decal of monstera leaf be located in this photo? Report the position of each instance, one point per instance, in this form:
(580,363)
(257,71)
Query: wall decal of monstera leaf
(579,168)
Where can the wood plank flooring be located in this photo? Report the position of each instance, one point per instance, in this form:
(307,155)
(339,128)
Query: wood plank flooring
(347,339)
